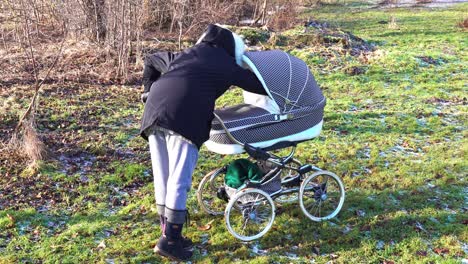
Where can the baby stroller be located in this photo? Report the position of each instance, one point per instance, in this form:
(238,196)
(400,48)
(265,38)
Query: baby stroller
(291,113)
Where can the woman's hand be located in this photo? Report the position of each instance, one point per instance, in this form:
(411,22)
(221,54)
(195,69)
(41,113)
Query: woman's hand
(144,97)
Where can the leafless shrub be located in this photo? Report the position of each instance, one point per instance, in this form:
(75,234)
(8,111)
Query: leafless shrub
(390,3)
(28,31)
(311,3)
(96,15)
(120,26)
(285,15)
(463,24)
(392,24)
(106,40)
(423,1)
(29,144)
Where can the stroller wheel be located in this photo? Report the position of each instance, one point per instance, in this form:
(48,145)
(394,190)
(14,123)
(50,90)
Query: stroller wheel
(321,195)
(249,214)
(208,193)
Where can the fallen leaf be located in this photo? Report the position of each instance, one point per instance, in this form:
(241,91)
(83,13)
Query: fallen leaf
(205,227)
(365,228)
(101,245)
(441,251)
(11,218)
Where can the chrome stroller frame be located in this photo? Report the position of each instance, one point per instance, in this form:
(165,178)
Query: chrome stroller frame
(250,210)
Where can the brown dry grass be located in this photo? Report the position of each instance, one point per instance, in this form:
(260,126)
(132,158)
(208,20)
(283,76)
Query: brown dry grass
(26,143)
(33,147)
(424,1)
(463,24)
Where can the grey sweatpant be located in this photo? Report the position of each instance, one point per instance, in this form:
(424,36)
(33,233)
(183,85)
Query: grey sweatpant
(173,159)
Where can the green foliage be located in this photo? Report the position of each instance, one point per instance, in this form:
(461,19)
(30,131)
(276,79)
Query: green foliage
(125,174)
(253,36)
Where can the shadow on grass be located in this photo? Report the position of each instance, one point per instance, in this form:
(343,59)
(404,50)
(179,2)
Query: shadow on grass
(384,219)
(35,237)
(368,216)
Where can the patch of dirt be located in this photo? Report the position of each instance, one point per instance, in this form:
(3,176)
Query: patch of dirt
(463,24)
(81,62)
(355,70)
(323,34)
(418,3)
(38,191)
(443,102)
(12,162)
(431,60)
(78,124)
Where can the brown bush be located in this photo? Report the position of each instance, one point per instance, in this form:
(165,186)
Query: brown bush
(463,24)
(104,41)
(423,1)
(121,26)
(285,16)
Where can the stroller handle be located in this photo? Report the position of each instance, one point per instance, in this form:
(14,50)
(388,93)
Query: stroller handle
(230,136)
(255,152)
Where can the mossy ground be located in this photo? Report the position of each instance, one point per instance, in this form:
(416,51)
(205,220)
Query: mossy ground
(395,131)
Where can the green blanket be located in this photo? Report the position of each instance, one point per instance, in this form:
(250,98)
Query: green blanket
(241,170)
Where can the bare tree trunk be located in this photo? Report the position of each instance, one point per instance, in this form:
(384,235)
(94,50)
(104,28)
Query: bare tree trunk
(96,19)
(181,22)
(174,15)
(254,14)
(262,14)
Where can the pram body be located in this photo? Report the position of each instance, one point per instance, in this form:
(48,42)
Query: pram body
(290,113)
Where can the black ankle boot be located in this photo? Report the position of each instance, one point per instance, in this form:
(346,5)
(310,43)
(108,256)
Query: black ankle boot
(186,242)
(170,244)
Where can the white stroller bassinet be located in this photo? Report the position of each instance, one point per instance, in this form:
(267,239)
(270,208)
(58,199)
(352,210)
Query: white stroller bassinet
(292,111)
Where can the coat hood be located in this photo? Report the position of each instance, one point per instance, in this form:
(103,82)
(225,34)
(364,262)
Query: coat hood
(226,39)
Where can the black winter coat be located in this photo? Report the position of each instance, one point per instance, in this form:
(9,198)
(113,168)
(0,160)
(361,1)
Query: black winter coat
(183,97)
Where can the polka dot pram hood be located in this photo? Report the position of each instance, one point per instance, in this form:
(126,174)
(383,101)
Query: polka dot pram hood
(292,111)
(287,79)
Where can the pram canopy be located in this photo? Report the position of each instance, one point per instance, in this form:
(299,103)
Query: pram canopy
(292,111)
(286,79)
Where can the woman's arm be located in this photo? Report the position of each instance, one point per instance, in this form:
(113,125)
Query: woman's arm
(247,80)
(155,65)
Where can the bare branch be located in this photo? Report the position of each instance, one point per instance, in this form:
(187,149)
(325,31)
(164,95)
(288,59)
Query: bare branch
(37,84)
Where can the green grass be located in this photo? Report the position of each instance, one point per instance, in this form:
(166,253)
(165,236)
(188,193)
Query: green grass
(395,134)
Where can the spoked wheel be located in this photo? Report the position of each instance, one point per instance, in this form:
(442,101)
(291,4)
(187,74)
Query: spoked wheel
(207,194)
(249,214)
(290,179)
(321,195)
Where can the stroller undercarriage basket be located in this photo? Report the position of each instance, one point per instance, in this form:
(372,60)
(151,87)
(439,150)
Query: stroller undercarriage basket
(271,184)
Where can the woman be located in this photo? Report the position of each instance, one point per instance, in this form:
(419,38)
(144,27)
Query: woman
(180,94)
